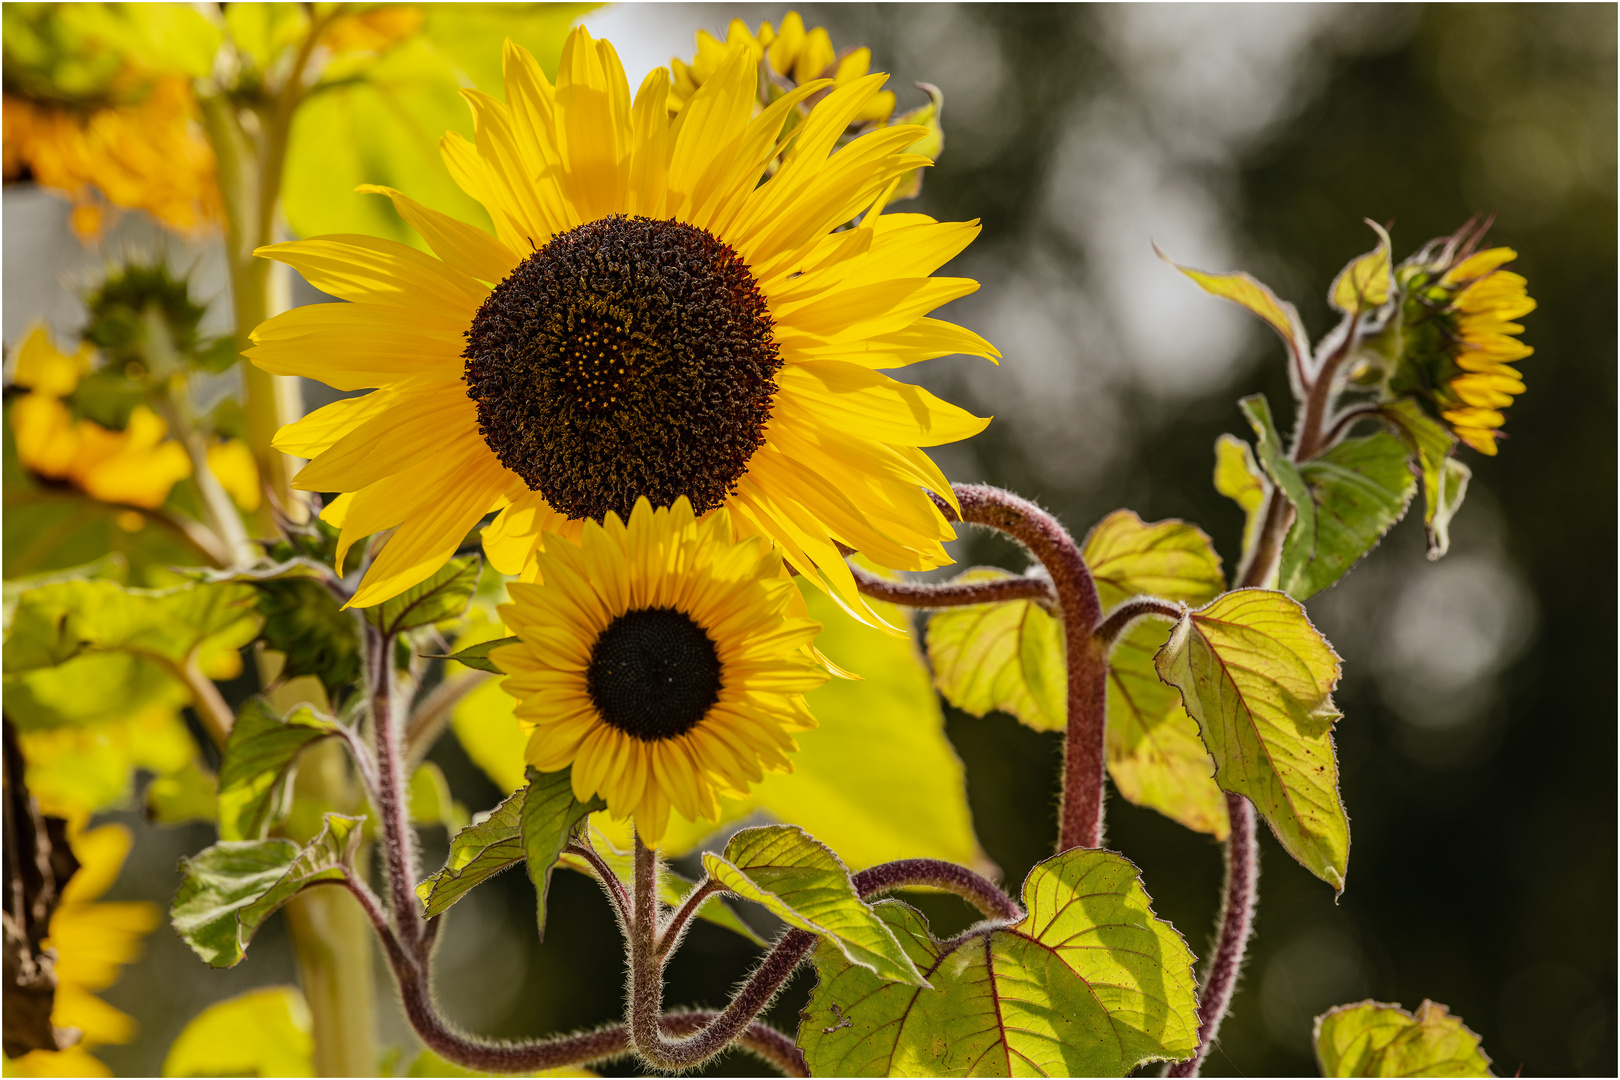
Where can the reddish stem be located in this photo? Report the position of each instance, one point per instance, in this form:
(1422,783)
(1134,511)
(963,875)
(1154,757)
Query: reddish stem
(1084,752)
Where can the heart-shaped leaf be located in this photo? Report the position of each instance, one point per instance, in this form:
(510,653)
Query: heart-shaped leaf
(1089,983)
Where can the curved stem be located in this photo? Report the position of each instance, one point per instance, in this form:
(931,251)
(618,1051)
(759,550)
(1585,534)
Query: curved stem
(1128,612)
(938,874)
(1236,920)
(676,927)
(647,982)
(928,595)
(1084,753)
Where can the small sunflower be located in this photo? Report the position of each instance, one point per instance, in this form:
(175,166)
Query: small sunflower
(1459,336)
(664,661)
(649,319)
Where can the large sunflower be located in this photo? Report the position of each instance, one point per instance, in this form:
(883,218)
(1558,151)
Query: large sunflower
(649,319)
(663,660)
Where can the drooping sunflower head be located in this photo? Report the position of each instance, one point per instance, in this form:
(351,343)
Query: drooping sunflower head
(1459,335)
(650,319)
(662,660)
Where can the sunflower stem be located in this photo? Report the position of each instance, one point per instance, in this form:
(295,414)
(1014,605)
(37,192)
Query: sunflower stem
(393,806)
(938,874)
(1084,753)
(1110,628)
(932,596)
(647,982)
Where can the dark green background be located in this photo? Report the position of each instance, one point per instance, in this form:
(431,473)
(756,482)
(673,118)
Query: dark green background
(1483,878)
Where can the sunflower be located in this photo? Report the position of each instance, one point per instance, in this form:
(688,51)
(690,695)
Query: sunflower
(663,660)
(795,57)
(1460,337)
(92,942)
(649,319)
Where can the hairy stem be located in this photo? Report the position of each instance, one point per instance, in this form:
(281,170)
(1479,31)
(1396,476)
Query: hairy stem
(1110,628)
(938,874)
(1084,753)
(1236,920)
(398,837)
(647,983)
(928,595)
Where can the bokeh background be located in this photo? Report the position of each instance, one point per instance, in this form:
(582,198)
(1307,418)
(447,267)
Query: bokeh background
(1478,744)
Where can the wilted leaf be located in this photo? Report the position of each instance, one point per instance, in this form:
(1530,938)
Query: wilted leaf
(227,891)
(1258,678)
(1373,1039)
(1445,479)
(1154,753)
(1367,280)
(1007,656)
(1244,291)
(1168,559)
(256,770)
(1238,477)
(1089,983)
(445,595)
(802,883)
(1359,489)
(477,853)
(263,1032)
(549,817)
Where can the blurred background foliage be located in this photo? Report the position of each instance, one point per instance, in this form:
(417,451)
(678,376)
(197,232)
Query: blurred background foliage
(1478,739)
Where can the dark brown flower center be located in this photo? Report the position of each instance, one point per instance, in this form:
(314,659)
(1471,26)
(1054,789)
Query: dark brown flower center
(654,674)
(626,357)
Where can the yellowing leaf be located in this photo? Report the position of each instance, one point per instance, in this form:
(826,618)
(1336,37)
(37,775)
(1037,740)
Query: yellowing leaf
(1244,291)
(1367,280)
(1373,1039)
(1168,559)
(1154,753)
(263,1032)
(1258,678)
(1238,477)
(802,883)
(1089,983)
(1007,656)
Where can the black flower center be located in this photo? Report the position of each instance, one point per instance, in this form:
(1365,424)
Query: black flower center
(654,674)
(627,357)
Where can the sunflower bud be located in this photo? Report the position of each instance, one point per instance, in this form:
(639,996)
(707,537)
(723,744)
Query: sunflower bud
(125,306)
(1455,337)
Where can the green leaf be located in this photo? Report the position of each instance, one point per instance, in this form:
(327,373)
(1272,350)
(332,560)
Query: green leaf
(303,621)
(1373,1039)
(549,817)
(476,656)
(262,31)
(1007,656)
(673,889)
(1155,756)
(445,595)
(1238,477)
(264,1032)
(1358,490)
(54,624)
(430,799)
(470,36)
(1169,559)
(1244,291)
(1445,479)
(1258,678)
(1367,280)
(256,770)
(1089,983)
(188,794)
(802,883)
(227,891)
(477,853)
